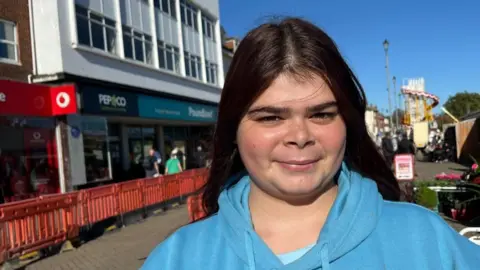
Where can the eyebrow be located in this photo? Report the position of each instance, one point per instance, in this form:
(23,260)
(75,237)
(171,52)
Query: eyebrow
(280,110)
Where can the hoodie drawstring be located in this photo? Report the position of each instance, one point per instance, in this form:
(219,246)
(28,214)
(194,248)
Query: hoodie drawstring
(324,257)
(249,250)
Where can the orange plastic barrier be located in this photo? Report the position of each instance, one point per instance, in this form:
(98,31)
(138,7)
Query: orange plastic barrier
(41,222)
(195,207)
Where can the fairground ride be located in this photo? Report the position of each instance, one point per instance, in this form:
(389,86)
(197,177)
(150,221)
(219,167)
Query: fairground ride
(418,103)
(418,116)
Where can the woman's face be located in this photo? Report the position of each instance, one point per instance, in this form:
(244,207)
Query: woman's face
(292,139)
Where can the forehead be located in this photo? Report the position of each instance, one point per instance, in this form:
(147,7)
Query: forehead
(290,91)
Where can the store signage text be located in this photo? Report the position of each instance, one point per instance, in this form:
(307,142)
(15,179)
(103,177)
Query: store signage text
(3,97)
(98,100)
(164,108)
(112,100)
(207,114)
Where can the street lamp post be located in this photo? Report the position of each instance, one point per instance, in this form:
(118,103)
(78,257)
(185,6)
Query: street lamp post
(400,104)
(385,46)
(394,81)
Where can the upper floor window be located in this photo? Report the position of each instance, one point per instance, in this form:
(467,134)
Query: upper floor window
(137,46)
(168,57)
(167,6)
(8,42)
(211,69)
(207,27)
(95,30)
(188,14)
(193,67)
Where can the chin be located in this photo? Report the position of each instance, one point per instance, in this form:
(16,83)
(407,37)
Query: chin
(300,184)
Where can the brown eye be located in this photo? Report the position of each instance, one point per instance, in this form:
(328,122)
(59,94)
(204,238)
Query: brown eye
(324,116)
(270,118)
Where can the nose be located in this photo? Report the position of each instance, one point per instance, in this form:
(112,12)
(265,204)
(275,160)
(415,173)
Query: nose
(299,135)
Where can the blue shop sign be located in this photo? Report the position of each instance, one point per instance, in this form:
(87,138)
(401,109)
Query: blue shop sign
(162,108)
(98,100)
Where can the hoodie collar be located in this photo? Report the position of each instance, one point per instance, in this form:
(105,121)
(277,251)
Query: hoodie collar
(351,219)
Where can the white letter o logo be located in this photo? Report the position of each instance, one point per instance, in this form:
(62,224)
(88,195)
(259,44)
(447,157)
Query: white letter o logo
(63,100)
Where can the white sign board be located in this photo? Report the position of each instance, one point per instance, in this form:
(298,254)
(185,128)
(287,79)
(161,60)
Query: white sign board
(404,167)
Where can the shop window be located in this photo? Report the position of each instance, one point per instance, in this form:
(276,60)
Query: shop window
(168,57)
(137,46)
(96,148)
(28,161)
(8,42)
(95,30)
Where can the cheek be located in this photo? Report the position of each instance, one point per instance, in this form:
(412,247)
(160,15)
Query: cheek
(334,137)
(255,144)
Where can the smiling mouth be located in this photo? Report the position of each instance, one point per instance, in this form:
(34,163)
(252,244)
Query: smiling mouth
(298,165)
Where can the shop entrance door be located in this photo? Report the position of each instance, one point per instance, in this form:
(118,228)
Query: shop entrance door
(140,141)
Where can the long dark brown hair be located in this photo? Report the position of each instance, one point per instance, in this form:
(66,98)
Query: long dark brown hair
(293,46)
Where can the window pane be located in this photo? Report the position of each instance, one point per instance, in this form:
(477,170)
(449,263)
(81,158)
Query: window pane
(138,50)
(97,36)
(177,62)
(172,9)
(110,22)
(189,17)
(148,53)
(194,69)
(162,62)
(96,18)
(194,20)
(208,73)
(165,5)
(83,31)
(127,46)
(81,10)
(7,31)
(199,69)
(187,67)
(7,51)
(170,60)
(183,14)
(111,41)
(156,3)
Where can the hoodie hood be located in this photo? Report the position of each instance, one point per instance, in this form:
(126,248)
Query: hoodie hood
(353,216)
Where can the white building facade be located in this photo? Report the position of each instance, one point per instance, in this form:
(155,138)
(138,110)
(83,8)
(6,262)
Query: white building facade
(148,73)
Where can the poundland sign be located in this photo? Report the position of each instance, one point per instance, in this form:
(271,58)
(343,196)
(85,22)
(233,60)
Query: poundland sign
(162,108)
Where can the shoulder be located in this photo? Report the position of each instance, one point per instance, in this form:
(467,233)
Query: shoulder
(409,221)
(188,239)
(403,213)
(415,224)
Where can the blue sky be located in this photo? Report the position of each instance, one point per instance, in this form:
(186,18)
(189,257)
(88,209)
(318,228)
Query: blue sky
(438,40)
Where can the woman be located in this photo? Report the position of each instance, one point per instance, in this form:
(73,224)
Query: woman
(296,182)
(173,164)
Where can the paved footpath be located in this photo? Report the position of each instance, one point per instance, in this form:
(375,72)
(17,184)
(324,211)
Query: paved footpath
(123,249)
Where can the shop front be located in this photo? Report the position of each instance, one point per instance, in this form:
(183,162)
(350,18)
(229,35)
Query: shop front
(185,138)
(29,164)
(118,128)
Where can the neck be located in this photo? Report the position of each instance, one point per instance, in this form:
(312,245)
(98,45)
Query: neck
(269,212)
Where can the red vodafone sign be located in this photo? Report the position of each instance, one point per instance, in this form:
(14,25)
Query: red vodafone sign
(18,98)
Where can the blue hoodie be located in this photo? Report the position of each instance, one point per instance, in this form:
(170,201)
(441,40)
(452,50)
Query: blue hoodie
(362,231)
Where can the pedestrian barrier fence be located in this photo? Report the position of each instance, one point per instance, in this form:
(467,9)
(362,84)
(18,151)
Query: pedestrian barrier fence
(195,207)
(45,221)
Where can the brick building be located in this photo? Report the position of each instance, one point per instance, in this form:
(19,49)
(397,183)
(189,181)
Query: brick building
(15,41)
